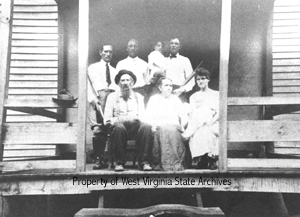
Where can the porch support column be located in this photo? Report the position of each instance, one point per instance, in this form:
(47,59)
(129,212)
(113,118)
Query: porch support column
(83,48)
(224,65)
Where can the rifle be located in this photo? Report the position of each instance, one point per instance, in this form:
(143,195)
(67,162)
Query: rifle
(188,78)
(191,75)
(98,106)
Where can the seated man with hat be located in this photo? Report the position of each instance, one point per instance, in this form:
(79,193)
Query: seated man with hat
(124,111)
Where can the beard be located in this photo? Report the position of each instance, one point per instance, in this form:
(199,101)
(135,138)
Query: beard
(125,92)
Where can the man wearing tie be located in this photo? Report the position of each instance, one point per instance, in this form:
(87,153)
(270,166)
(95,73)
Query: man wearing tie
(100,83)
(134,64)
(179,68)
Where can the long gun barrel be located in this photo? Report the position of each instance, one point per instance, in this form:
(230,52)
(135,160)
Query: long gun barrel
(191,76)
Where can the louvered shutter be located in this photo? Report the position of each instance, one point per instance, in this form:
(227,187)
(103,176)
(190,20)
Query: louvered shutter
(286,48)
(33,67)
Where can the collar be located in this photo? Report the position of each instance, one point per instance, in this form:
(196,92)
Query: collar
(133,59)
(102,62)
(174,56)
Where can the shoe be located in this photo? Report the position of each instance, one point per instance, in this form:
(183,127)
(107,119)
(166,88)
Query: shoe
(100,165)
(147,167)
(119,168)
(203,162)
(212,163)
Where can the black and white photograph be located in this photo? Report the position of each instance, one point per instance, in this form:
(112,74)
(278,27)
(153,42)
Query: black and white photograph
(148,108)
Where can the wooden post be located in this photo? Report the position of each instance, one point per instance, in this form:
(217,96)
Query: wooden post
(199,199)
(5,41)
(224,65)
(61,63)
(101,201)
(83,39)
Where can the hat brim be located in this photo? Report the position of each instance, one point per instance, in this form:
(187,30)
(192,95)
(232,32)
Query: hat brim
(123,72)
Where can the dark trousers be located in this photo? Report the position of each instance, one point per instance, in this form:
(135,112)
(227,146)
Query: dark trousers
(95,119)
(135,129)
(99,143)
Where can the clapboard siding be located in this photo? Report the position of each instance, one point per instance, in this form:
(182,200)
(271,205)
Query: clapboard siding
(34,50)
(32,63)
(30,91)
(41,43)
(33,77)
(34,22)
(35,2)
(33,68)
(35,36)
(34,57)
(280,42)
(286,47)
(35,29)
(31,8)
(285,76)
(286,69)
(35,16)
(33,71)
(286,3)
(285,55)
(286,62)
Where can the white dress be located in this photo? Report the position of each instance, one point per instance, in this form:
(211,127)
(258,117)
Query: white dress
(156,63)
(202,129)
(168,151)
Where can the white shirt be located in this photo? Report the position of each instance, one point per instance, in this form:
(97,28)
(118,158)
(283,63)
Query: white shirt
(156,62)
(136,65)
(178,69)
(118,109)
(164,111)
(97,75)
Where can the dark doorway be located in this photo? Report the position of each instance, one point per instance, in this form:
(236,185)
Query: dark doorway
(196,22)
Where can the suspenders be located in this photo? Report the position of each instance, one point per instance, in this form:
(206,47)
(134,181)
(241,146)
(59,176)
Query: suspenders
(118,103)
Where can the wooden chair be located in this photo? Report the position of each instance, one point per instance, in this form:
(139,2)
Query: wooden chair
(131,147)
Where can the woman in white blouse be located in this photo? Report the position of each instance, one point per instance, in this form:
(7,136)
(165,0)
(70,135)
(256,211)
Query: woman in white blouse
(166,114)
(203,124)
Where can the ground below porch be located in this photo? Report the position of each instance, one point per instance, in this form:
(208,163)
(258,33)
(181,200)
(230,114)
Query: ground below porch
(233,204)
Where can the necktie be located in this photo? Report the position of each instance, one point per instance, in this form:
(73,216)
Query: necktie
(173,56)
(108,75)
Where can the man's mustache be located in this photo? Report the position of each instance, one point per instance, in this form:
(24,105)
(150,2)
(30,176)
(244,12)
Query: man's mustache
(125,86)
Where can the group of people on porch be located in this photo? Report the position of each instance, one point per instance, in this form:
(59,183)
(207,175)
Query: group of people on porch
(143,101)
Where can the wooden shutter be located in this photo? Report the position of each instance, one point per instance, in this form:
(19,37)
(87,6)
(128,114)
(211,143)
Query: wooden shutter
(286,63)
(286,48)
(33,67)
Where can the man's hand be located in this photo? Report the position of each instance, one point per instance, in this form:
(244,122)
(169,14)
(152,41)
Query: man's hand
(94,101)
(96,129)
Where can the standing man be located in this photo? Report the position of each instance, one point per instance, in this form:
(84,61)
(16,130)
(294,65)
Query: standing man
(100,84)
(179,68)
(134,64)
(124,112)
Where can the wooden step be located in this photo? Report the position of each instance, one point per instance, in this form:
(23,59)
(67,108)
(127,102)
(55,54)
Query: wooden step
(152,210)
(39,133)
(263,131)
(35,103)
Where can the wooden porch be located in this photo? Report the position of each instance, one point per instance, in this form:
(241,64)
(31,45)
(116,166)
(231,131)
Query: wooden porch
(74,176)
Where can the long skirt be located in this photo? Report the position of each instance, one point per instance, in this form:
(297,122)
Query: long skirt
(204,136)
(205,141)
(168,149)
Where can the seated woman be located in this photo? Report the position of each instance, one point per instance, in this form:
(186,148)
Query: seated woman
(203,124)
(166,115)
